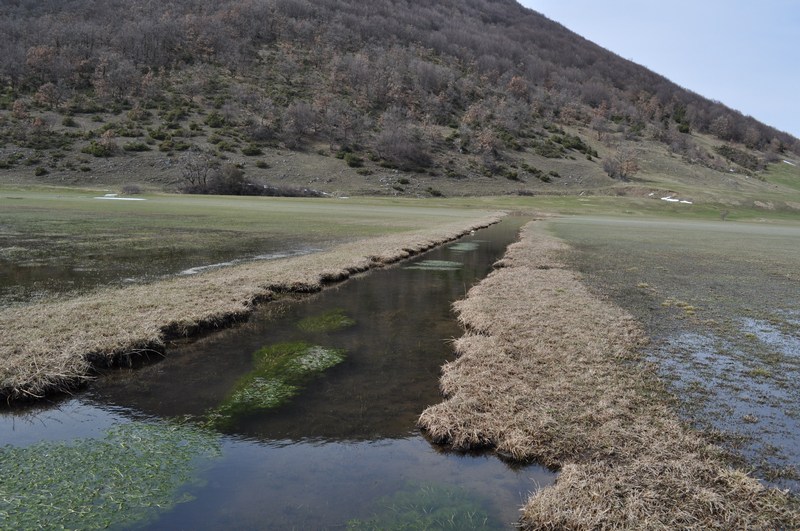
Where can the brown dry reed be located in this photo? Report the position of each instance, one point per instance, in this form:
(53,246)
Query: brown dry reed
(55,346)
(548,372)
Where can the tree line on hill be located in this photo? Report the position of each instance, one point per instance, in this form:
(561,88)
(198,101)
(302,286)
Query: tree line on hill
(348,71)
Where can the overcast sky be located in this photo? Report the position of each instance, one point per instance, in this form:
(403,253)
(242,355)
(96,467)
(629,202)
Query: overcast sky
(744,53)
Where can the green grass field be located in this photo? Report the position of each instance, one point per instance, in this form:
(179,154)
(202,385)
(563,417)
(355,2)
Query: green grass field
(55,240)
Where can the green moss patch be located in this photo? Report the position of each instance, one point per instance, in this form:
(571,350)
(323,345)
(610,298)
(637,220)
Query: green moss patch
(137,471)
(327,322)
(428,507)
(281,371)
(436,265)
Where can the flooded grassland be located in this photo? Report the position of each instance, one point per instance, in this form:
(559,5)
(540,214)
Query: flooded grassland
(549,371)
(302,417)
(721,303)
(55,343)
(63,242)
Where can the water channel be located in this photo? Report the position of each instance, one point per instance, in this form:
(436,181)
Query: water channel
(342,452)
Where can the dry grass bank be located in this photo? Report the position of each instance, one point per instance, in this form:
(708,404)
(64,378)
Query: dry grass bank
(549,372)
(54,346)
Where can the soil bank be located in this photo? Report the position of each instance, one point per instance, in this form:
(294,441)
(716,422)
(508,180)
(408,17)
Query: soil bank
(549,372)
(55,346)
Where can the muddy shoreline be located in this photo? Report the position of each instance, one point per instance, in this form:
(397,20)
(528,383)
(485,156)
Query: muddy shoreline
(549,372)
(55,347)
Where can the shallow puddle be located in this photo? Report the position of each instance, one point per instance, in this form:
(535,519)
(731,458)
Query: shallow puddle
(52,267)
(340,451)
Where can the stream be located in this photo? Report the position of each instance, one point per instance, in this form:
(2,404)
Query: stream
(220,435)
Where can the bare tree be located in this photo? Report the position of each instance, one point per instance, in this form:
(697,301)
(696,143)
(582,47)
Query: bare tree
(403,146)
(623,165)
(299,120)
(197,170)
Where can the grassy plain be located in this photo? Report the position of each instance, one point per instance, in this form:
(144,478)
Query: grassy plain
(55,240)
(46,226)
(45,229)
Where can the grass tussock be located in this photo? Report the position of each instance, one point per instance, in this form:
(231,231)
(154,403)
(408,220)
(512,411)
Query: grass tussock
(54,346)
(548,372)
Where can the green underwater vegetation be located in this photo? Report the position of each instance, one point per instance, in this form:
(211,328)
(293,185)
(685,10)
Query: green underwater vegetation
(138,470)
(326,322)
(436,265)
(280,372)
(428,507)
(464,247)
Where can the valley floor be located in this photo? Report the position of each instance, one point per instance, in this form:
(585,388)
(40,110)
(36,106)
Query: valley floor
(548,370)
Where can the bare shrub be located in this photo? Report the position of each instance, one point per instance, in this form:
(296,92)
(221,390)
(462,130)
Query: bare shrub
(131,189)
(403,147)
(623,165)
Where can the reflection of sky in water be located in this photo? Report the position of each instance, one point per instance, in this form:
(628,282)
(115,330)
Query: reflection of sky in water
(781,341)
(745,384)
(70,419)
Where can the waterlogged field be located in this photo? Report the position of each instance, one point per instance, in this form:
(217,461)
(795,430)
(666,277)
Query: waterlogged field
(304,417)
(721,302)
(61,241)
(56,241)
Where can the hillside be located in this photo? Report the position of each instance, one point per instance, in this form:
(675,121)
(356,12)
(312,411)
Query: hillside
(391,97)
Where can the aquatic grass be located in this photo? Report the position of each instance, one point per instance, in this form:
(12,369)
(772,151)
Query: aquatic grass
(328,322)
(255,393)
(316,359)
(428,507)
(136,472)
(280,372)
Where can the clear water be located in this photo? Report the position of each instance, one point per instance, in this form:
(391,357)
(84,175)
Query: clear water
(348,444)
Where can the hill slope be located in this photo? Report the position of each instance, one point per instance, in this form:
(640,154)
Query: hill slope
(454,97)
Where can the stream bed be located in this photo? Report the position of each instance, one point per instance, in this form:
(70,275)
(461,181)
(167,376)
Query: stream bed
(303,417)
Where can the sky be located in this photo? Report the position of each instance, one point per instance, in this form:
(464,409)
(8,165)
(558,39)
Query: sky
(744,53)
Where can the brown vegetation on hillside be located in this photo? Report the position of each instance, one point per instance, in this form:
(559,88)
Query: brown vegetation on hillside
(452,88)
(548,372)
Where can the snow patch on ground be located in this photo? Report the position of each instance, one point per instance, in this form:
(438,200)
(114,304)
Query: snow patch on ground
(115,197)
(672,199)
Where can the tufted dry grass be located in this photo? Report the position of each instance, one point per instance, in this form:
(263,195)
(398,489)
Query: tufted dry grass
(54,346)
(548,372)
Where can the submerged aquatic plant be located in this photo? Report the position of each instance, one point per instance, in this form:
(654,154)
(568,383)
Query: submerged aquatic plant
(280,372)
(428,507)
(136,472)
(327,322)
(436,265)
